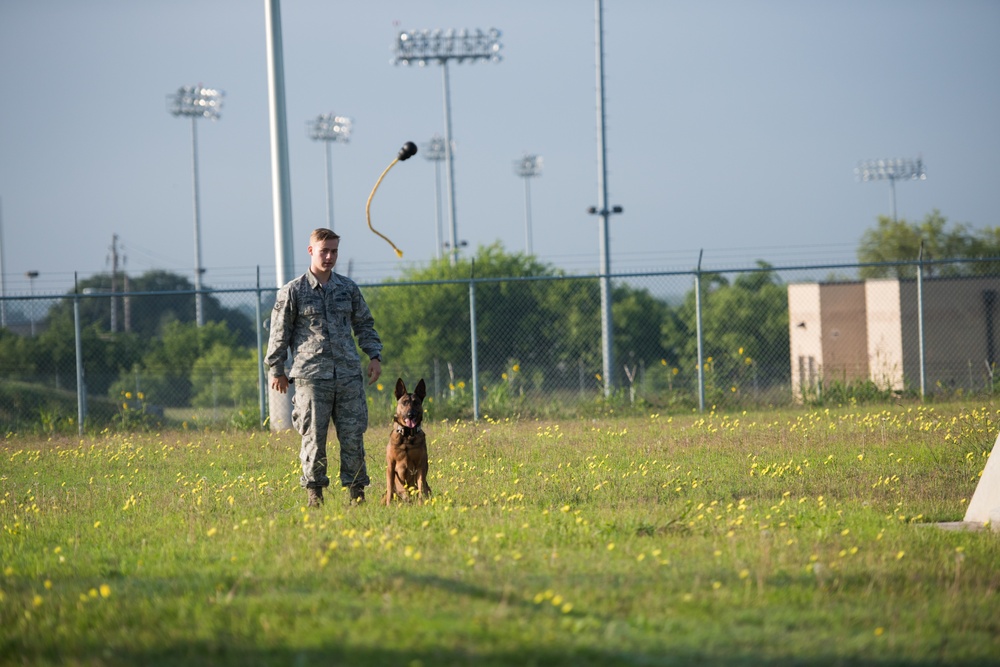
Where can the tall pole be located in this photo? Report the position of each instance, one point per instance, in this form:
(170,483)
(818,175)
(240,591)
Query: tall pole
(527,168)
(892,190)
(280,404)
(892,171)
(114,283)
(527,216)
(437,208)
(126,302)
(607,334)
(435,151)
(422,46)
(329,186)
(329,128)
(31,275)
(280,180)
(199,309)
(450,165)
(196,102)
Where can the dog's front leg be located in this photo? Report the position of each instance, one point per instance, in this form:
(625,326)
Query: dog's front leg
(389,479)
(422,486)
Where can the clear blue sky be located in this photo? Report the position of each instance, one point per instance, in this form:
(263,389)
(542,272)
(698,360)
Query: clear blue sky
(733,127)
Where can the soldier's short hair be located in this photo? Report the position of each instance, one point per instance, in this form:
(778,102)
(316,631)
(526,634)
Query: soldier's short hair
(321,234)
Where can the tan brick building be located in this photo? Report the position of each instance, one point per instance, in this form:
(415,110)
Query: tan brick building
(851,332)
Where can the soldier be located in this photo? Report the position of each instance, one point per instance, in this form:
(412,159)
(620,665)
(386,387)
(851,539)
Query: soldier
(319,314)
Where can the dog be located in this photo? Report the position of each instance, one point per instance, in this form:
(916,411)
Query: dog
(406,454)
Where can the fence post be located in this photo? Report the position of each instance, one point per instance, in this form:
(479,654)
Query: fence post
(475,356)
(920,318)
(261,377)
(697,316)
(81,389)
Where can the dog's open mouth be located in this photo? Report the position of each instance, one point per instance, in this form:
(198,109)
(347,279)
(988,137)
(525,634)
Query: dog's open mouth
(409,422)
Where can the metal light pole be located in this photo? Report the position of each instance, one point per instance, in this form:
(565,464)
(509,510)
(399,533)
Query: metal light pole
(31,275)
(527,168)
(435,151)
(892,171)
(442,46)
(280,405)
(196,102)
(329,128)
(607,333)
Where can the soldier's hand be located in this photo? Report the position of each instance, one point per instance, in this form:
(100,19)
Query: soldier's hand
(280,384)
(374,370)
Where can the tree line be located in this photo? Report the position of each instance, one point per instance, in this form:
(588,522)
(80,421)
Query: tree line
(535,324)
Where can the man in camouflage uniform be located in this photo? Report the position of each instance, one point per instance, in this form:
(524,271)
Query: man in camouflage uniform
(318,315)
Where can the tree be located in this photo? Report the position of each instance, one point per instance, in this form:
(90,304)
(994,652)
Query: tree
(54,354)
(164,373)
(744,331)
(161,297)
(18,358)
(224,376)
(423,325)
(549,329)
(637,318)
(899,241)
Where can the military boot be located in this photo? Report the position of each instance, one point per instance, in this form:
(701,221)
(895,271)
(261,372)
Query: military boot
(315,496)
(357,494)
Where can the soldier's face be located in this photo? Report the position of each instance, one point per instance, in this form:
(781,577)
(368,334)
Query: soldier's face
(324,255)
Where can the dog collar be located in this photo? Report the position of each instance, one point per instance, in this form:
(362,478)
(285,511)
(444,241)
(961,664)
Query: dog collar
(402,430)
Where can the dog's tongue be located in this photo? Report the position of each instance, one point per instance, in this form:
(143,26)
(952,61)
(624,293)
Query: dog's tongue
(409,423)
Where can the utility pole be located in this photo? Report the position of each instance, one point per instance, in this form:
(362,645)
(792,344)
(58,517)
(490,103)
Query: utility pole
(114,283)
(127,306)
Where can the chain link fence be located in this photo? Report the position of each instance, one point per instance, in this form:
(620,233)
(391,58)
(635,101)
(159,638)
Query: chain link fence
(516,347)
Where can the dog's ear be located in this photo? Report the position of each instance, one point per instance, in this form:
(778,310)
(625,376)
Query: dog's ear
(400,388)
(421,390)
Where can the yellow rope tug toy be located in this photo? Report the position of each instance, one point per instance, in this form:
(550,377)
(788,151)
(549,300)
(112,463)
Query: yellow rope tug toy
(408,150)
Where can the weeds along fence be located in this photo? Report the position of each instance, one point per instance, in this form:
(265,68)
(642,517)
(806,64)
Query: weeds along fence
(526,346)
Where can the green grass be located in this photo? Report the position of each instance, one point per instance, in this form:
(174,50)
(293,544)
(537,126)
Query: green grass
(790,538)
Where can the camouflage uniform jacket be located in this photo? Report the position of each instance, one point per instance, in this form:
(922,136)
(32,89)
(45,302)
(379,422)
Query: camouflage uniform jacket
(317,322)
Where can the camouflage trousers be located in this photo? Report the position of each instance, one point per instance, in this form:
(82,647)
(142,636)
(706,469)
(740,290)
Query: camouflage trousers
(315,403)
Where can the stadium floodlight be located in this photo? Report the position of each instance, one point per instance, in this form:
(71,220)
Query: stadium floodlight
(420,47)
(196,102)
(891,170)
(423,46)
(330,128)
(527,168)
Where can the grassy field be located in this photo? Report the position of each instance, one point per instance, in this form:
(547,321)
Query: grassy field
(791,538)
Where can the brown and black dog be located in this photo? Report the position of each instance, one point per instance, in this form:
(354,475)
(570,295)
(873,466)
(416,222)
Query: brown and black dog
(406,455)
